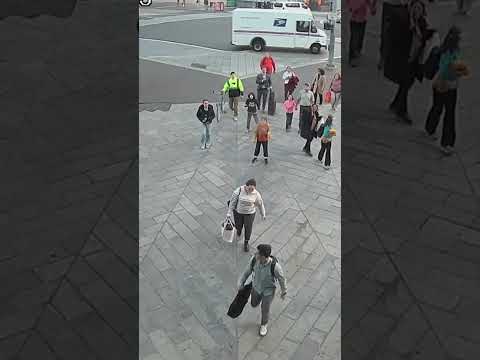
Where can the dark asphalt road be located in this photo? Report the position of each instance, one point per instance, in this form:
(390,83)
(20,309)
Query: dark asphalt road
(212,33)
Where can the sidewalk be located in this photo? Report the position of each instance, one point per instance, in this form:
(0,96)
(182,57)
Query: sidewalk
(188,273)
(420,247)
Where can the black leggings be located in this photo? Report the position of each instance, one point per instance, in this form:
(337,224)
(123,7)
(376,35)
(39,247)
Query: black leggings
(264,144)
(443,101)
(244,221)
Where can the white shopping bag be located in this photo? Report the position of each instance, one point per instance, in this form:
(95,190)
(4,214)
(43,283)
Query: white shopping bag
(228,230)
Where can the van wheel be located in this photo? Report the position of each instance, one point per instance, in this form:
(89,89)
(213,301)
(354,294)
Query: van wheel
(315,48)
(258,44)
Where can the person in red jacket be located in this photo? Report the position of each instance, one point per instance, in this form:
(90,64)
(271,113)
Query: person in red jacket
(268,63)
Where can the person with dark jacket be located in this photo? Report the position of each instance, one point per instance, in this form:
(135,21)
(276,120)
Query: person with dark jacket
(252,105)
(264,82)
(307,127)
(206,114)
(403,37)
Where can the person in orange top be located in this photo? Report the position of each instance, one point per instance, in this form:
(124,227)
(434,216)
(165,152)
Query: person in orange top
(262,136)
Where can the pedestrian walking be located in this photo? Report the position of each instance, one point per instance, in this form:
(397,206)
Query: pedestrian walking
(307,129)
(234,87)
(290,80)
(359,10)
(264,83)
(445,86)
(266,272)
(290,105)
(206,114)
(268,63)
(305,100)
(262,137)
(404,36)
(326,140)
(318,86)
(252,105)
(336,89)
(464,7)
(242,205)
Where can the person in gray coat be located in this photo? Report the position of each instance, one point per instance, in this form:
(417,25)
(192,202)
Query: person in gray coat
(265,271)
(264,83)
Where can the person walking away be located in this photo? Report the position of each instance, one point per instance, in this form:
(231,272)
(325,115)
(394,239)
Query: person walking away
(305,100)
(336,89)
(205,114)
(326,141)
(359,10)
(234,87)
(242,205)
(290,81)
(318,86)
(402,47)
(266,272)
(262,136)
(252,105)
(445,86)
(264,82)
(268,63)
(290,105)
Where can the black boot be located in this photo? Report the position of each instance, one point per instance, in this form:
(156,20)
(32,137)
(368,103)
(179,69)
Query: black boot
(246,248)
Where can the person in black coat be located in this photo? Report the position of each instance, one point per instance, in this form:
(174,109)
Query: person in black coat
(307,128)
(403,29)
(206,114)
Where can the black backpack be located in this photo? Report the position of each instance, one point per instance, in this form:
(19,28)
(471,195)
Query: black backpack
(272,266)
(430,68)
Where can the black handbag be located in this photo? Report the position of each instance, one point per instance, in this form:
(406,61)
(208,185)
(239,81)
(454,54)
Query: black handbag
(238,304)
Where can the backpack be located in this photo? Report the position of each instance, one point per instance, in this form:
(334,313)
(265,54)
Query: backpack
(272,266)
(430,68)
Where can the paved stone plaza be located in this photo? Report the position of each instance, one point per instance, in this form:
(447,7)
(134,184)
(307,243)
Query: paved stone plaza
(188,274)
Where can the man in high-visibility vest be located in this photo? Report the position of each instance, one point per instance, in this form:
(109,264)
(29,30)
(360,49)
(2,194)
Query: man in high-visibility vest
(234,87)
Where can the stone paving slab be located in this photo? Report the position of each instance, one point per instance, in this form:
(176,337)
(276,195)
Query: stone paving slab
(188,273)
(409,254)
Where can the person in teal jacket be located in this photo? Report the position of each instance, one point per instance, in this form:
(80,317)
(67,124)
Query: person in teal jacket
(326,140)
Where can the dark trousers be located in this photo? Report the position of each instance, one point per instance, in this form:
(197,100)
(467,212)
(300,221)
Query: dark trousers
(262,95)
(357,35)
(447,101)
(288,123)
(400,102)
(264,144)
(243,221)
(307,146)
(286,89)
(318,96)
(326,147)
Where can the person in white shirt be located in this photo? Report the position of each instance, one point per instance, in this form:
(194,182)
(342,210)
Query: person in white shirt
(287,76)
(242,205)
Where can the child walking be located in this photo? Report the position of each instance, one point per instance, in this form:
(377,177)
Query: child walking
(290,105)
(326,140)
(252,106)
(262,136)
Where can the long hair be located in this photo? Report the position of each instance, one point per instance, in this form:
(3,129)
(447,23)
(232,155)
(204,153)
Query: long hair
(451,43)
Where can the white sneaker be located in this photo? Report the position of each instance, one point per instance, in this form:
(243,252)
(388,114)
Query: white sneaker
(263,330)
(202,147)
(326,167)
(235,118)
(207,146)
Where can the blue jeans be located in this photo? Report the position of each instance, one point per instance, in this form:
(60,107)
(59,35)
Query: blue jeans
(206,134)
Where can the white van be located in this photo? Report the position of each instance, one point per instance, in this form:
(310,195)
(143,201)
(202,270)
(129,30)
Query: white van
(283,28)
